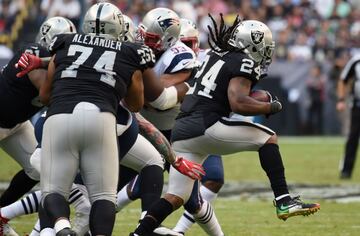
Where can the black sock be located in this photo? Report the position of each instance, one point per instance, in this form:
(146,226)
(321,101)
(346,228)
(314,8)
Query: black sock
(154,217)
(45,221)
(20,184)
(151,183)
(56,206)
(102,217)
(271,162)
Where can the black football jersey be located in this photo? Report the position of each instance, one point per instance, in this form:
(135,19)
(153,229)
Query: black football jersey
(93,69)
(18,96)
(207,101)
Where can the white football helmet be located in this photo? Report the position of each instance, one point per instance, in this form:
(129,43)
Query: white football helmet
(255,38)
(189,34)
(104,19)
(160,29)
(53,26)
(129,30)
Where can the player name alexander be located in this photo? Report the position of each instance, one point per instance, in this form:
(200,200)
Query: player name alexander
(97,41)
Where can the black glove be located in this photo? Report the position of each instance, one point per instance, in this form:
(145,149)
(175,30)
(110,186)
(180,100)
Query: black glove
(275,105)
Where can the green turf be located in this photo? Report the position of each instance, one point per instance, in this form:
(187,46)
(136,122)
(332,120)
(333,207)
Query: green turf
(307,160)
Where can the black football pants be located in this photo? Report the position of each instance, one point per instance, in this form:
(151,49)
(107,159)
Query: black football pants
(352,141)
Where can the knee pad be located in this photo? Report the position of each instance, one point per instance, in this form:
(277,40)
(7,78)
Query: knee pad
(214,169)
(193,204)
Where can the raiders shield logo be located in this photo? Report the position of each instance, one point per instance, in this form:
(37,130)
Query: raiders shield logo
(257,36)
(45,29)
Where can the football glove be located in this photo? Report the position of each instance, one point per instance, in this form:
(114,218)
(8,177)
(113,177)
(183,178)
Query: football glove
(275,105)
(189,168)
(27,63)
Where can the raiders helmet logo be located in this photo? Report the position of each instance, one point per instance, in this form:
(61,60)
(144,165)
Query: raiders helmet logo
(164,24)
(45,29)
(257,36)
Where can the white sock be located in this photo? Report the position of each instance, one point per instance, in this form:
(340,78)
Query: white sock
(122,199)
(143,214)
(36,230)
(207,220)
(184,223)
(207,194)
(62,224)
(47,232)
(26,205)
(282,196)
(187,220)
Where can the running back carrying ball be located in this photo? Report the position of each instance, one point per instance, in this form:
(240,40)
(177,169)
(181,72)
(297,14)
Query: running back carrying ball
(261,95)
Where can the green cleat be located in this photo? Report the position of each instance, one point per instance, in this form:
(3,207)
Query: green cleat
(295,207)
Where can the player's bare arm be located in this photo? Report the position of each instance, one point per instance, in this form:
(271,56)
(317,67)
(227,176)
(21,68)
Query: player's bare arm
(341,94)
(175,78)
(241,102)
(45,89)
(156,138)
(135,96)
(157,95)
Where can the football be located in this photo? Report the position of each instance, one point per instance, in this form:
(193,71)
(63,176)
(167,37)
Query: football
(260,95)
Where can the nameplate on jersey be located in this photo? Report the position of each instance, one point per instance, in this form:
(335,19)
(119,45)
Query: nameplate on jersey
(97,41)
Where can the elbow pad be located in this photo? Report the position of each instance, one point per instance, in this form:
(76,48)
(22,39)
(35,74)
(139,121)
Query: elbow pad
(166,100)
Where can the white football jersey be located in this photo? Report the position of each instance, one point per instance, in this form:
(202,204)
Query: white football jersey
(178,57)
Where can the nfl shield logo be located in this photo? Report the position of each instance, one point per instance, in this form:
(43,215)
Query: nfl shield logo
(257,36)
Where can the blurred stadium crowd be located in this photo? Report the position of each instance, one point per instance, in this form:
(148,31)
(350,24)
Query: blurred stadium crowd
(314,40)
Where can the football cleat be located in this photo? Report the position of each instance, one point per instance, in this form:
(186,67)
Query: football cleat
(161,231)
(5,228)
(295,207)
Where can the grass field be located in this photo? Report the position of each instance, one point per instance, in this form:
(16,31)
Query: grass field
(311,160)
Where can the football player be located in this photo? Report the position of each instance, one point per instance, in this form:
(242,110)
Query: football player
(213,180)
(203,126)
(16,132)
(160,30)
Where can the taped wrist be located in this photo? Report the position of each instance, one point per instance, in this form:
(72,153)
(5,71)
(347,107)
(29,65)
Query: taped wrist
(166,100)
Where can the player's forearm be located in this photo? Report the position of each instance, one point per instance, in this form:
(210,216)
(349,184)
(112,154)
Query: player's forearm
(341,90)
(248,106)
(45,61)
(156,138)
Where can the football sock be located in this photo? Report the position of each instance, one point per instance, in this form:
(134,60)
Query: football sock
(151,183)
(271,162)
(20,184)
(102,217)
(184,223)
(187,220)
(56,207)
(61,224)
(47,232)
(207,194)
(36,230)
(156,214)
(207,220)
(122,199)
(45,220)
(27,205)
